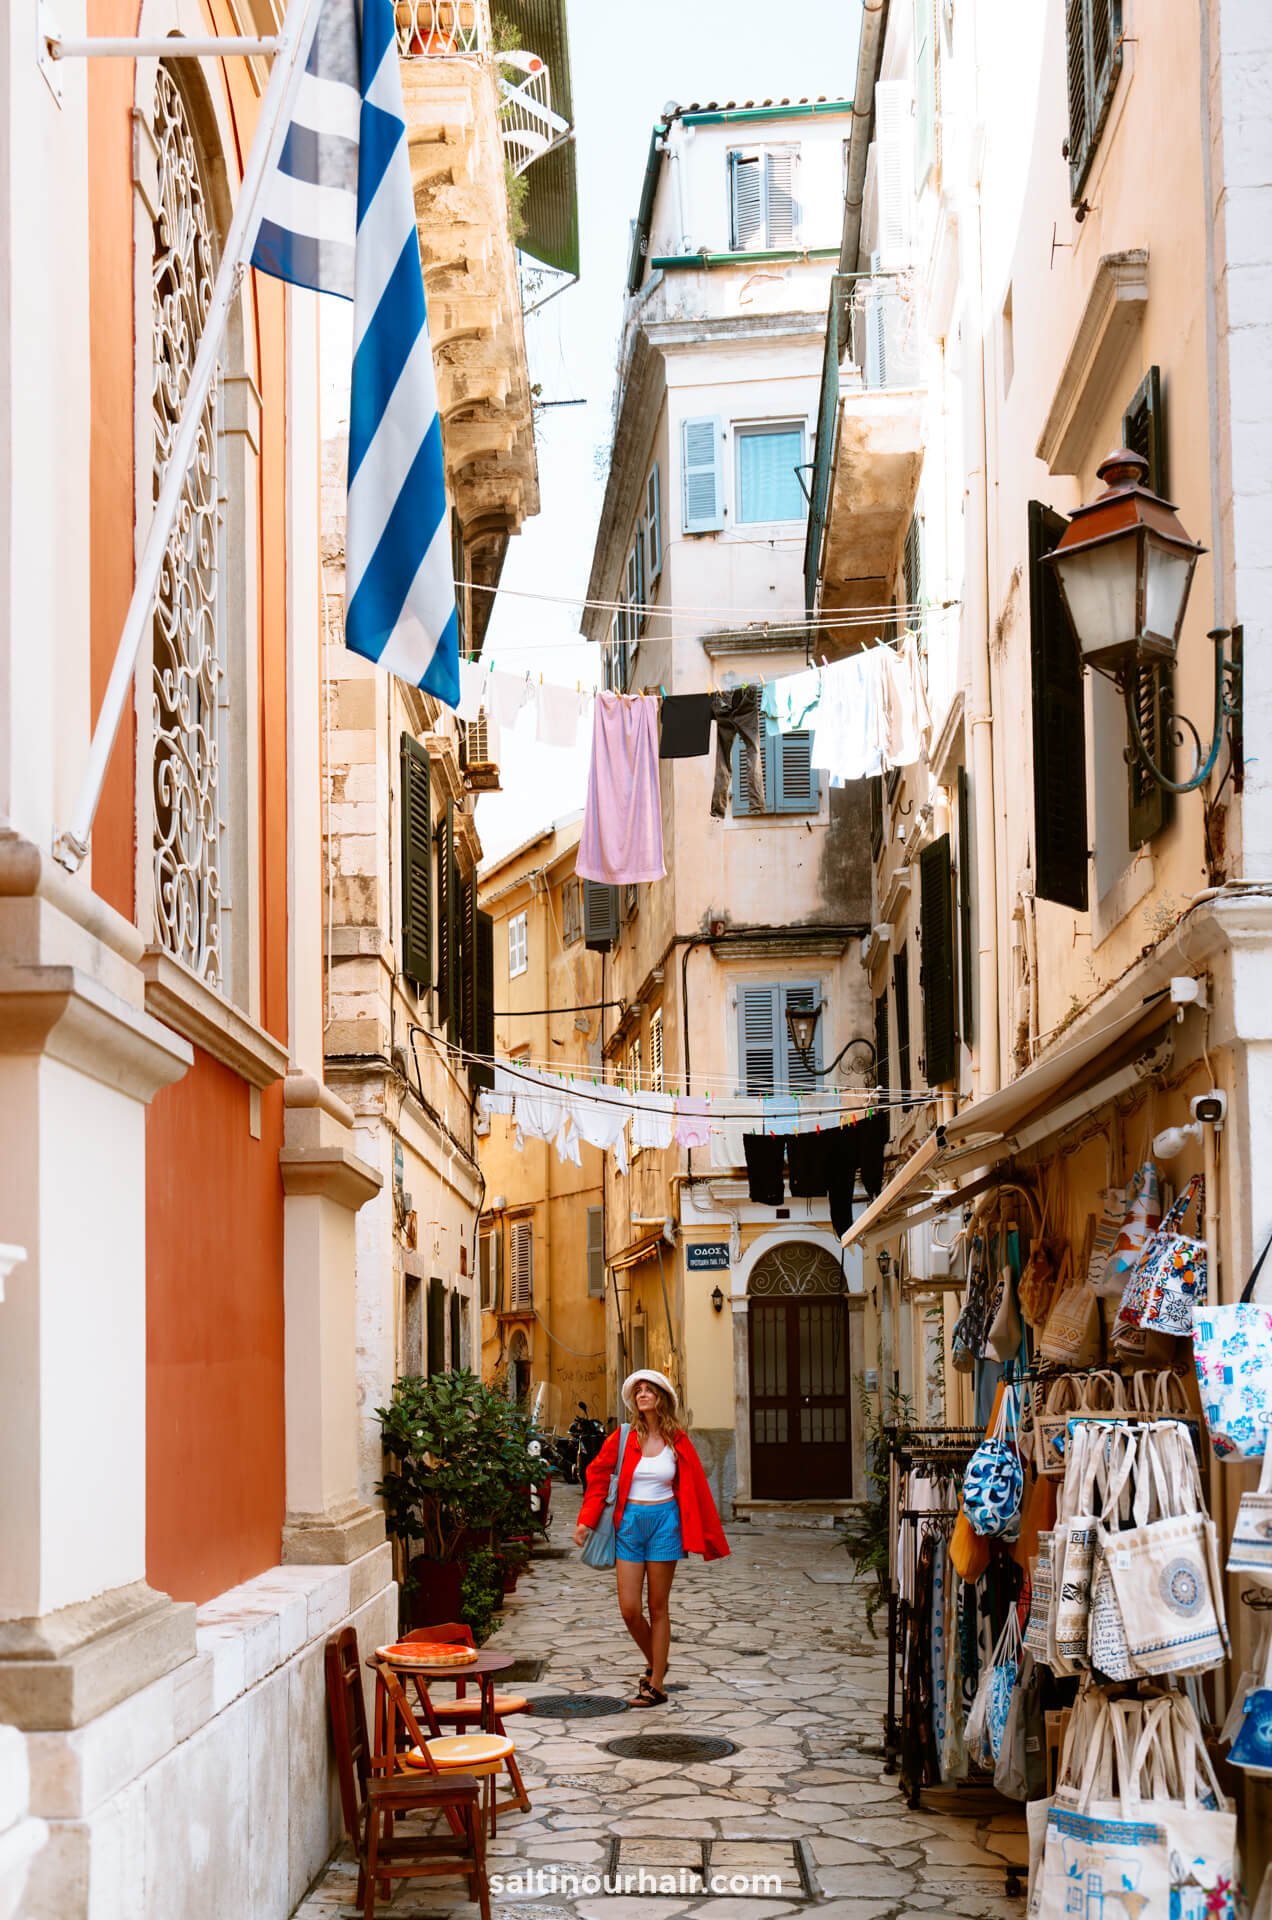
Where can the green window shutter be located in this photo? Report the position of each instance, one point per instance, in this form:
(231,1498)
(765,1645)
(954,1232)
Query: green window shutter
(600,916)
(967,959)
(449,936)
(936,973)
(912,567)
(901,1000)
(798,786)
(417,871)
(436,1360)
(758,1011)
(741,793)
(925,90)
(1150,807)
(481,1074)
(1093,58)
(876,816)
(799,997)
(653,524)
(883,1061)
(467,962)
(596,1253)
(746,201)
(1059,727)
(703,464)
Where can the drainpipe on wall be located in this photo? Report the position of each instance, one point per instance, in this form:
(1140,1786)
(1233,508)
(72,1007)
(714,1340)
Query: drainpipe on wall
(874,21)
(981,716)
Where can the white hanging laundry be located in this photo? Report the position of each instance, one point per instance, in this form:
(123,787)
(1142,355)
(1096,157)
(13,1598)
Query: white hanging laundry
(693,1126)
(567,1140)
(912,670)
(652,1123)
(744,1116)
(539,1108)
(902,740)
(507,695)
(848,727)
(602,1118)
(474,678)
(558,713)
(796,697)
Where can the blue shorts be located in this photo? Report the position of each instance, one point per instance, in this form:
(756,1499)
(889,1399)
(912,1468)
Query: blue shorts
(650,1530)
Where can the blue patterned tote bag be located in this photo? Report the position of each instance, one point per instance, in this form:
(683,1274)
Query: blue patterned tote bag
(994,1480)
(1232,1347)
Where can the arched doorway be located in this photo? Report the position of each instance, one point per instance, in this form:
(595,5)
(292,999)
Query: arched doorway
(519,1368)
(799,1379)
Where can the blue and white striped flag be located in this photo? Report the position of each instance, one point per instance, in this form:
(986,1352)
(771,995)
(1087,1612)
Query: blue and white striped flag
(339,216)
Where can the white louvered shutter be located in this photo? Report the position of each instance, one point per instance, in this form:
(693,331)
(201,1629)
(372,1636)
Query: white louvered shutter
(894,152)
(779,196)
(703,476)
(746,200)
(522,1263)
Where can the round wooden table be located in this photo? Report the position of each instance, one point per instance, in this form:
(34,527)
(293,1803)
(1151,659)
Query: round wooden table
(485,1669)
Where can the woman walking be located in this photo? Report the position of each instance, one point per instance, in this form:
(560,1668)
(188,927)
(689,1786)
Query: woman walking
(662,1512)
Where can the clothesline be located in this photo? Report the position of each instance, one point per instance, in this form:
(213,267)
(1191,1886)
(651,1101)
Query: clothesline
(708,1083)
(766,1106)
(754,615)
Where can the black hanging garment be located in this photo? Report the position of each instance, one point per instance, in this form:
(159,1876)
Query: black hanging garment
(806,1156)
(737,716)
(841,1174)
(686,726)
(765,1160)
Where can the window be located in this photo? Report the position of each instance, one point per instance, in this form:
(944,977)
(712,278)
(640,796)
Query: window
(489,1248)
(596,1253)
(656,1081)
(635,619)
(436,1360)
(600,916)
(634,1066)
(701,448)
(1150,807)
(417,865)
(767,1059)
(571,912)
(762,212)
(791,782)
(769,462)
(901,1000)
(518,946)
(1093,51)
(876,816)
(936,973)
(1059,727)
(653,525)
(521,1263)
(478,989)
(189,691)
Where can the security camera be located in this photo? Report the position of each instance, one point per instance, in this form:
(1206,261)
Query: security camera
(1171,1141)
(1211,1107)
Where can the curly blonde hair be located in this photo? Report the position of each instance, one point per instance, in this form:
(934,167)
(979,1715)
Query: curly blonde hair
(668,1425)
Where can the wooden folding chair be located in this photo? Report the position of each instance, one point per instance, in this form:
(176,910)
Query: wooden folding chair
(483,1755)
(372,1802)
(457,1715)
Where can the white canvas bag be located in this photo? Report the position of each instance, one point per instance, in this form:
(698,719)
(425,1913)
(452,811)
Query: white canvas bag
(1165,1568)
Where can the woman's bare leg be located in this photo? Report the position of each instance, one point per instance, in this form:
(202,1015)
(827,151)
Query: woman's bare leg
(631,1580)
(661,1574)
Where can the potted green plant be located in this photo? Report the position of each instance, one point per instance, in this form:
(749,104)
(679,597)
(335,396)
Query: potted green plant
(481,1592)
(456,1453)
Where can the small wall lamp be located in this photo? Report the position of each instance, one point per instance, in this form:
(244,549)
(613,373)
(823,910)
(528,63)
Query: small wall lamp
(717,1299)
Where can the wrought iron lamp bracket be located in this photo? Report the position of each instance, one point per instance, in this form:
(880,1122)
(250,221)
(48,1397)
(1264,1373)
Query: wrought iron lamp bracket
(1227,717)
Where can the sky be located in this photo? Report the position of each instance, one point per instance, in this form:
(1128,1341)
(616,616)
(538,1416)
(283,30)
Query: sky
(625,68)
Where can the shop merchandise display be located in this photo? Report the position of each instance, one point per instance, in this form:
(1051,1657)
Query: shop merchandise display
(1233,1351)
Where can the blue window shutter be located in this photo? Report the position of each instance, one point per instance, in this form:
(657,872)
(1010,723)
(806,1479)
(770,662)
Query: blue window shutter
(703,474)
(768,761)
(746,201)
(800,996)
(653,523)
(758,1057)
(768,480)
(798,788)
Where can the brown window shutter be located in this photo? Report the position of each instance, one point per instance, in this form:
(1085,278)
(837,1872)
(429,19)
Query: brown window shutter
(1059,727)
(417,866)
(936,973)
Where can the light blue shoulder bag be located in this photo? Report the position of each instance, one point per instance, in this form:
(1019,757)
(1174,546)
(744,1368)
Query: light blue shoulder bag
(601,1546)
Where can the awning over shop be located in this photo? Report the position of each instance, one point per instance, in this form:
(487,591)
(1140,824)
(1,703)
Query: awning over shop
(1047,1098)
(643,1249)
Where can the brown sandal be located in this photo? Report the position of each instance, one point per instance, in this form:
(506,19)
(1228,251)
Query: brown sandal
(648,1695)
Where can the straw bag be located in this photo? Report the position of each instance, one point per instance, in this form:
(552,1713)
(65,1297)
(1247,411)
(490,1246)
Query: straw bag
(1038,1281)
(1051,1423)
(1232,1348)
(1165,1567)
(1072,1335)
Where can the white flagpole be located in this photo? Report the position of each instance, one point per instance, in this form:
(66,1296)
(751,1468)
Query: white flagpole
(71,846)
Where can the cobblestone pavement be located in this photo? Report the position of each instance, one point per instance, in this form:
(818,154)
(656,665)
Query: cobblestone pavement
(770,1652)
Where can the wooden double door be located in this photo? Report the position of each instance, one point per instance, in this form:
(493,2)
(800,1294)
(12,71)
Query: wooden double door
(801,1426)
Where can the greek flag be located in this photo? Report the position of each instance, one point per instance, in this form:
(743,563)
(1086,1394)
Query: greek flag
(339,216)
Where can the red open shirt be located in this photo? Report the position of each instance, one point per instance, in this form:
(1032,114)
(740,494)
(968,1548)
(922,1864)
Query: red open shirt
(700,1527)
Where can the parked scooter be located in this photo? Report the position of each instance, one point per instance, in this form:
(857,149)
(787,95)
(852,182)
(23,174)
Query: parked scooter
(588,1436)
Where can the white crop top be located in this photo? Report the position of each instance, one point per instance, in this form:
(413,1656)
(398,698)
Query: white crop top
(654,1478)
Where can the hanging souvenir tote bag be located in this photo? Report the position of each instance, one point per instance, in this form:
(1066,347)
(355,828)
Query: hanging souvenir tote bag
(1063,1398)
(967,1343)
(1252,1745)
(1174,1270)
(1166,1568)
(1100,1856)
(1155,1262)
(994,1479)
(1106,1641)
(1201,1824)
(1003,1675)
(1107,1229)
(1232,1347)
(1002,1342)
(1251,1550)
(1140,1223)
(1074,1550)
(601,1546)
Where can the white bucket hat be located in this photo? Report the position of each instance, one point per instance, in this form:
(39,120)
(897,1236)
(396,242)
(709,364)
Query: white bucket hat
(655,1379)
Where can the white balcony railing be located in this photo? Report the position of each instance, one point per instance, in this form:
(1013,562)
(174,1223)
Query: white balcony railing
(440,29)
(526,119)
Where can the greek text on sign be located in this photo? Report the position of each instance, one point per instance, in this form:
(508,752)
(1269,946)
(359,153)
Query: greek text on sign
(706,1255)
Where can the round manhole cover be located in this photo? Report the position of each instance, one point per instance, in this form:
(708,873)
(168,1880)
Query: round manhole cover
(577,1706)
(681,1748)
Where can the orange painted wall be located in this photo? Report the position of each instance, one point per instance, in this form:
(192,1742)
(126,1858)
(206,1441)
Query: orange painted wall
(214,1307)
(215,1412)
